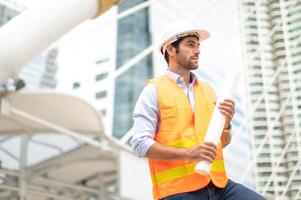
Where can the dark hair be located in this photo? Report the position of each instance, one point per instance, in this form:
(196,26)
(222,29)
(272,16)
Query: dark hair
(176,45)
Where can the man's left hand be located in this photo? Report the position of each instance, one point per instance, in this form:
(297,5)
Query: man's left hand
(227,108)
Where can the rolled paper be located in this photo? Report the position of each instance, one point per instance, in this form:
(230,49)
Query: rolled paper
(217,120)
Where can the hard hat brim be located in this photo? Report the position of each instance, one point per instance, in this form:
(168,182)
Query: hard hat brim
(201,34)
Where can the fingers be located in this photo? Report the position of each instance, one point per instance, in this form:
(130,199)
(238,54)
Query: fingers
(210,145)
(209,152)
(231,101)
(204,151)
(227,115)
(227,104)
(227,108)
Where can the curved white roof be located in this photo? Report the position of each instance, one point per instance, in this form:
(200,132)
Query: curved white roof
(64,110)
(71,167)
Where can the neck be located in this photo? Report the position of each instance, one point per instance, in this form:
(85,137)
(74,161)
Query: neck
(185,73)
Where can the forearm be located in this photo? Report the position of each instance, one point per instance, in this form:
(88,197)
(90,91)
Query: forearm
(226,135)
(160,152)
(203,151)
(226,139)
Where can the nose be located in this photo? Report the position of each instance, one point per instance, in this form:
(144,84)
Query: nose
(197,51)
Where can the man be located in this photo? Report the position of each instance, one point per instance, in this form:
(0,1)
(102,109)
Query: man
(170,122)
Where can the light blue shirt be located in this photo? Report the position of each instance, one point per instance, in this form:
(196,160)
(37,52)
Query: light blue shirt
(147,116)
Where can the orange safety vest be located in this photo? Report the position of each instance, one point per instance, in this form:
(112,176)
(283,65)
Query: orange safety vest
(180,127)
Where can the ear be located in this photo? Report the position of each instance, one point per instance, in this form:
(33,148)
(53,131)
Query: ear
(170,50)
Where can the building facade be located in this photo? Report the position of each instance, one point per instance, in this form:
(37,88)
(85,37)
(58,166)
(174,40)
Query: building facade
(272,47)
(133,36)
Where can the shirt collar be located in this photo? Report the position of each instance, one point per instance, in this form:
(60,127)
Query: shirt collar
(179,79)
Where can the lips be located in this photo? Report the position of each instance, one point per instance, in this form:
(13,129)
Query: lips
(194,58)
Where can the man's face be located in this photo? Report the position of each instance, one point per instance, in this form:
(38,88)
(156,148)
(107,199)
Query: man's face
(188,55)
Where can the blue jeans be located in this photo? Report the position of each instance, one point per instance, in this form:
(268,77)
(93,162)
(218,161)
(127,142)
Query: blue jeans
(232,191)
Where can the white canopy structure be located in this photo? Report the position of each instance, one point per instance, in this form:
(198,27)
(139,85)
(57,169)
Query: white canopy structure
(55,108)
(79,173)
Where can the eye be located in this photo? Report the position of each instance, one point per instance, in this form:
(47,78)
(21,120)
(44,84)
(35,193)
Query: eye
(191,45)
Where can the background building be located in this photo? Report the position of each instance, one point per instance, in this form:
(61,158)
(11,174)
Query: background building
(133,37)
(272,47)
(87,64)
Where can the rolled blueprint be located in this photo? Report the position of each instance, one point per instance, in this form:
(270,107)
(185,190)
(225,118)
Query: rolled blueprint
(217,121)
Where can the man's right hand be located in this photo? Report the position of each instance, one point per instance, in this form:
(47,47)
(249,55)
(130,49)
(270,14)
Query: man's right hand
(204,151)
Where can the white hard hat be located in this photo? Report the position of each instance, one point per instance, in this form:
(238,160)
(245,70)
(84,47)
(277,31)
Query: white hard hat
(179,29)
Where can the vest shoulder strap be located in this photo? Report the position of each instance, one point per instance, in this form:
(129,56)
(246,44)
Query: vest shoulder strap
(155,80)
(208,91)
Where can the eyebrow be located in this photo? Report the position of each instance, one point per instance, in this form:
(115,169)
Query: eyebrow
(192,41)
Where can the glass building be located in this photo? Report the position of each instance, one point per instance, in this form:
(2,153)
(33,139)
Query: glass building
(272,47)
(132,37)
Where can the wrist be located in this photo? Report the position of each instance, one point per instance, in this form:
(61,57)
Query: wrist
(226,135)
(185,153)
(227,126)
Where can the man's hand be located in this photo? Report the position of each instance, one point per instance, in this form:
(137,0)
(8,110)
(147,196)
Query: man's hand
(204,151)
(227,108)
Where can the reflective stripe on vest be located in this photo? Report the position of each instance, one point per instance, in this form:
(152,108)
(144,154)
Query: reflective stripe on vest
(178,129)
(181,171)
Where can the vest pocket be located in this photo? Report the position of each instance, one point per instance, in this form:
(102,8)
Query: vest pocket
(168,119)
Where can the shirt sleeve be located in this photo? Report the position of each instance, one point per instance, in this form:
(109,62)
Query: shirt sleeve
(146,117)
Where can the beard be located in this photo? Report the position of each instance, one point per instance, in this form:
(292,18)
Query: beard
(188,63)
